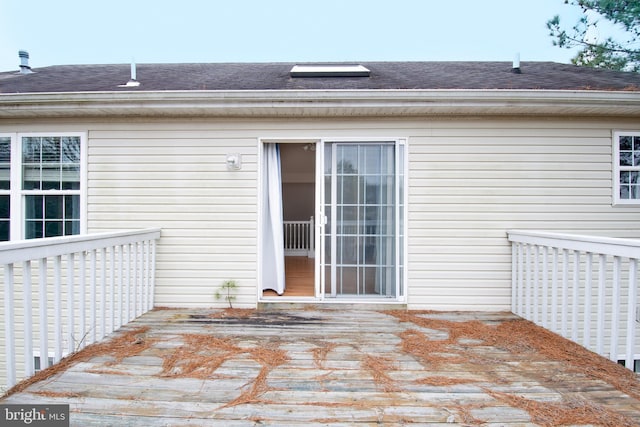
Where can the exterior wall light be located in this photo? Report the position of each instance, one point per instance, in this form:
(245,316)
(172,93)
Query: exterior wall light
(234,161)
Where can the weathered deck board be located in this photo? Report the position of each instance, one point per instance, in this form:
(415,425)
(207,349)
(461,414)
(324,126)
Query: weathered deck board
(328,376)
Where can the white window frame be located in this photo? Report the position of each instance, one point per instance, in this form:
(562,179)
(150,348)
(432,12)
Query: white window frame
(617,201)
(17,225)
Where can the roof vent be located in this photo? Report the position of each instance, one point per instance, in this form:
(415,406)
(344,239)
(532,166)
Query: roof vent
(325,70)
(132,81)
(516,65)
(24,62)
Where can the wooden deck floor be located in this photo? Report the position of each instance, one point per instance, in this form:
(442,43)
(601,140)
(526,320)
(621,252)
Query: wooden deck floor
(335,367)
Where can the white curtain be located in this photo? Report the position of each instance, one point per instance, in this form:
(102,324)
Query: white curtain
(273,236)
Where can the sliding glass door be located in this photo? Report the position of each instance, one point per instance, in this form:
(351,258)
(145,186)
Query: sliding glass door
(363,232)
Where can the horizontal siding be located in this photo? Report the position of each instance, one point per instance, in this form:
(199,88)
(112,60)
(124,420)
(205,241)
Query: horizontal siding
(177,180)
(470,181)
(468,185)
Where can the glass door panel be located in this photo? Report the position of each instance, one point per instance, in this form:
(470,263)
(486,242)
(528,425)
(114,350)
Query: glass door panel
(363,231)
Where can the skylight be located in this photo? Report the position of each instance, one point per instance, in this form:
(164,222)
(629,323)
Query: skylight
(329,71)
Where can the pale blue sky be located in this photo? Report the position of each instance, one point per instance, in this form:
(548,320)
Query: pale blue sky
(117,31)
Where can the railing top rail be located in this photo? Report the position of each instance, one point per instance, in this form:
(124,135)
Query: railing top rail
(24,250)
(615,246)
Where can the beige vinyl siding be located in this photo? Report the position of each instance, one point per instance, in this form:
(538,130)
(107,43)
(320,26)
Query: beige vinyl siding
(179,182)
(469,184)
(470,180)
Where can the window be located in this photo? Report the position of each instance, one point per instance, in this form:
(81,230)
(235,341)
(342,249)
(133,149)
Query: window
(41,185)
(626,167)
(51,185)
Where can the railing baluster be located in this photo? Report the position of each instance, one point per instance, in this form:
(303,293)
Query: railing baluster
(565,290)
(121,319)
(586,339)
(536,284)
(527,282)
(103,290)
(520,279)
(135,279)
(514,276)
(92,301)
(9,321)
(44,314)
(128,284)
(632,302)
(57,308)
(152,274)
(602,278)
(70,301)
(575,295)
(545,286)
(112,288)
(82,265)
(615,310)
(28,318)
(147,284)
(554,291)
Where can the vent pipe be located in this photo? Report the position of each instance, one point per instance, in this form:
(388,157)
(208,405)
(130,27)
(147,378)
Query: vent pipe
(24,62)
(516,65)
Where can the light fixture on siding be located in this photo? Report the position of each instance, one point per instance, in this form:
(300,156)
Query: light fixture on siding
(234,161)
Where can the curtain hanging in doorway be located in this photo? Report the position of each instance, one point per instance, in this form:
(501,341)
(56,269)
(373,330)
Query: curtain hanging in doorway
(273,237)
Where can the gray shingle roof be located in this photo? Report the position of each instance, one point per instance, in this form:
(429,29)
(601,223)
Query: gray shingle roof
(275,76)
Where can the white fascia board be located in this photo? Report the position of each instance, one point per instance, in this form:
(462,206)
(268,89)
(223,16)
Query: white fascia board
(320,103)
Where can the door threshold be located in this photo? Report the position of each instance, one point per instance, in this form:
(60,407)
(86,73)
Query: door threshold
(312,303)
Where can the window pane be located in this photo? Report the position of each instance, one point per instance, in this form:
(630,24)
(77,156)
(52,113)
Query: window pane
(53,228)
(625,158)
(71,227)
(33,207)
(5,163)
(4,231)
(636,143)
(71,149)
(30,150)
(51,150)
(5,201)
(5,150)
(348,156)
(53,208)
(33,229)
(72,207)
(51,163)
(71,177)
(50,176)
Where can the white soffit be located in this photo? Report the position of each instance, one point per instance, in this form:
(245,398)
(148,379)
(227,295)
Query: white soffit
(324,70)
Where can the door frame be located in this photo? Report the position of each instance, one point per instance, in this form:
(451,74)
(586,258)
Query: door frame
(320,219)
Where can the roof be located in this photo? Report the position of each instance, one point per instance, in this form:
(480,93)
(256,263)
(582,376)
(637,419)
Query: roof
(276,76)
(386,89)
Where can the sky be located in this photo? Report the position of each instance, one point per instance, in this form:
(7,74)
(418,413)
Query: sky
(56,32)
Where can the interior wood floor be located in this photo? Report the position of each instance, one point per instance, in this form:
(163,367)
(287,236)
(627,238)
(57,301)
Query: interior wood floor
(298,277)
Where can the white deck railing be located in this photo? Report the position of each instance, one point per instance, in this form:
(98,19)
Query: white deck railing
(109,281)
(584,288)
(299,238)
